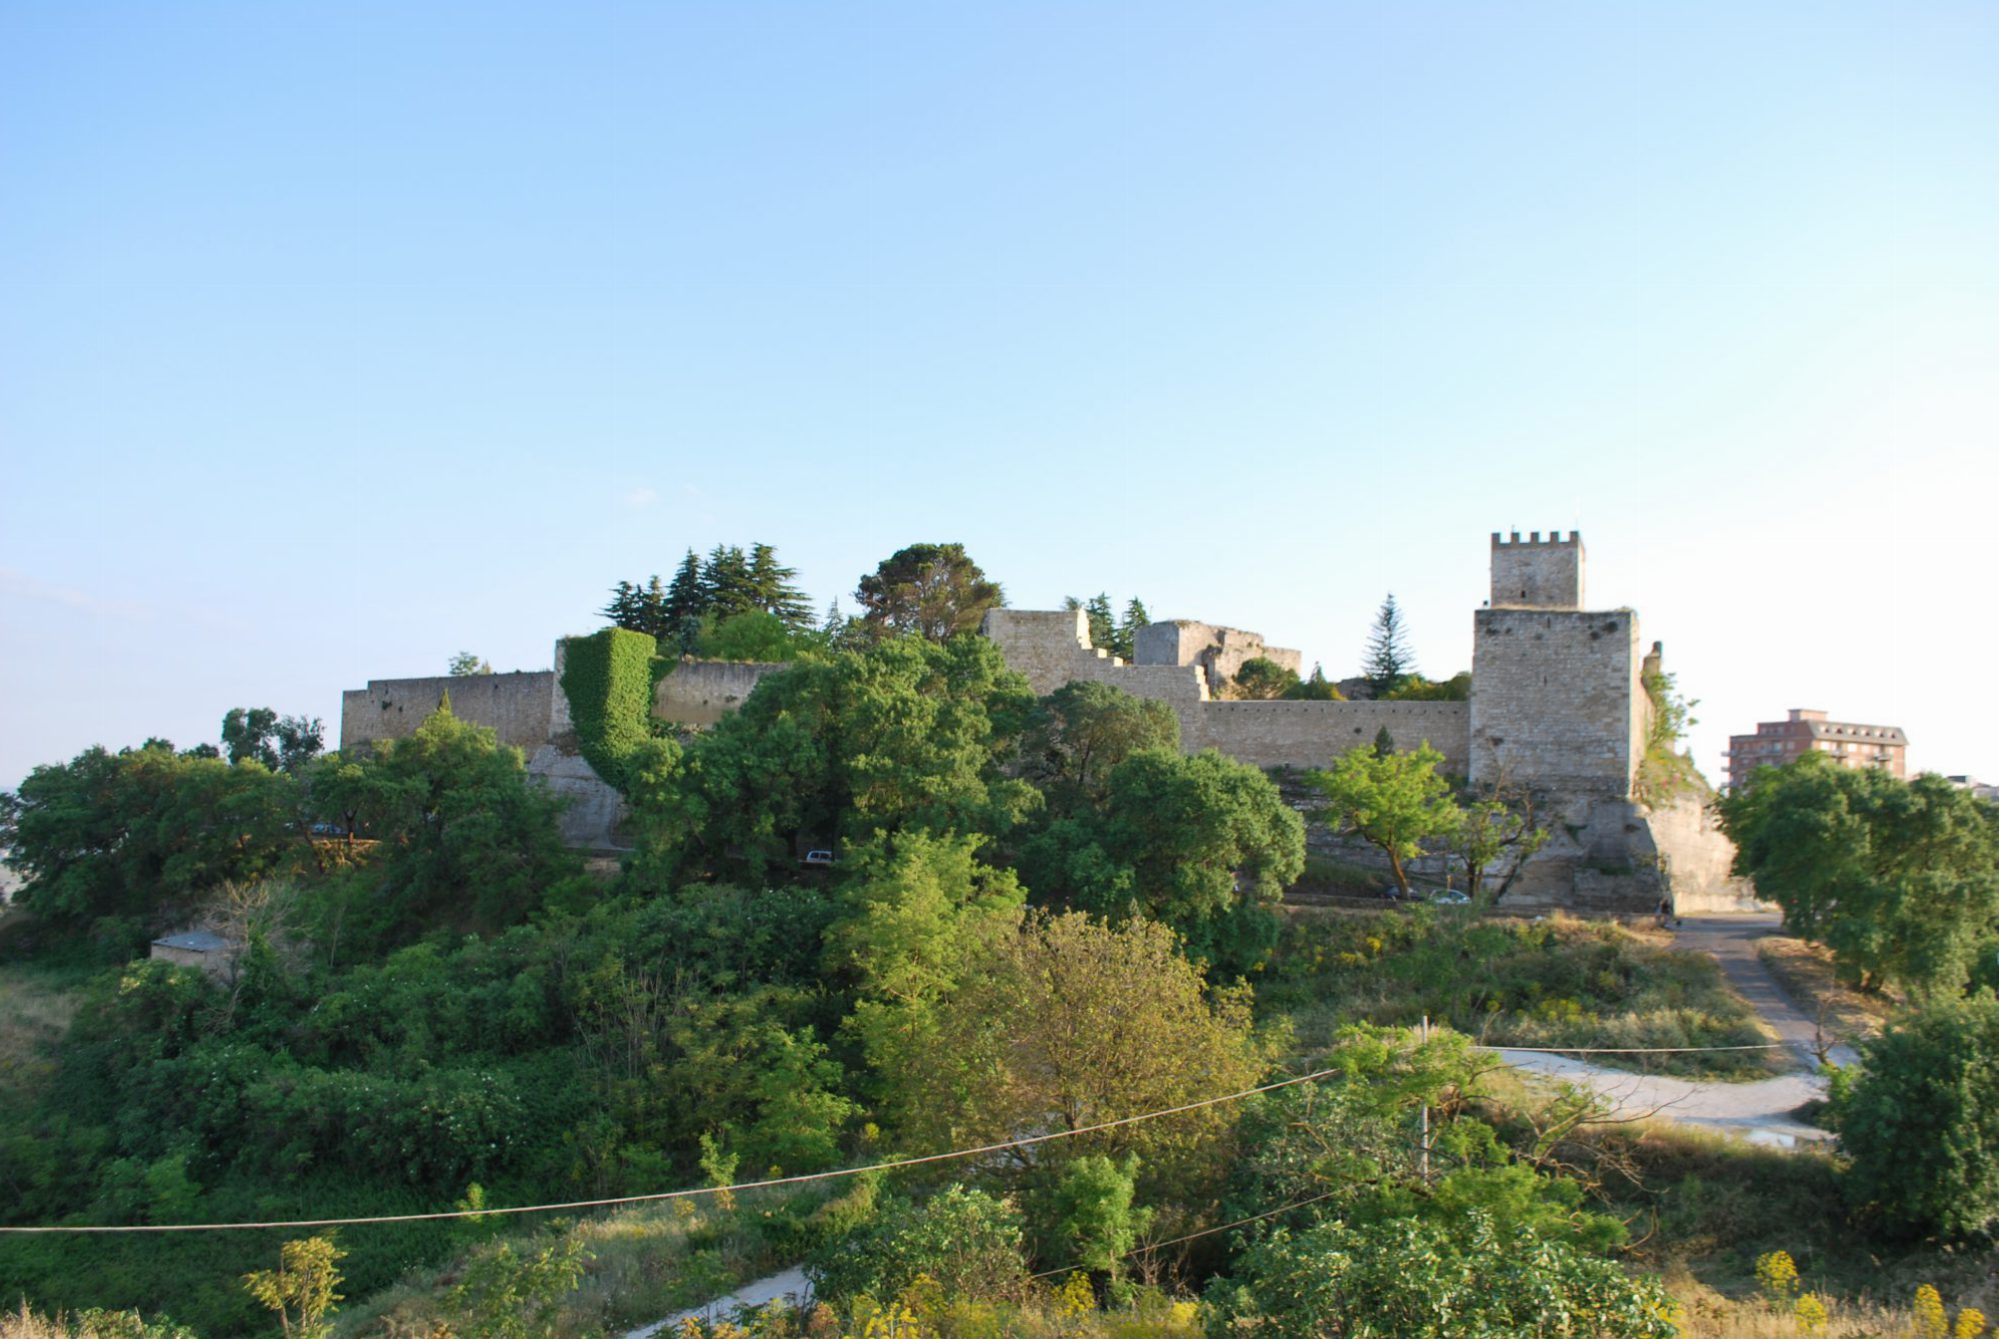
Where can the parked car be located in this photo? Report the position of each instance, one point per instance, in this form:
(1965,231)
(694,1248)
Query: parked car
(818,858)
(1450,897)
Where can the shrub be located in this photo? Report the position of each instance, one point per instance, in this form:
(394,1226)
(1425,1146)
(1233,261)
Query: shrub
(965,1240)
(1922,1122)
(1419,1280)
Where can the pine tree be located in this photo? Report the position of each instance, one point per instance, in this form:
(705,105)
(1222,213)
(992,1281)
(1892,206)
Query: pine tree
(725,582)
(1103,629)
(684,597)
(1135,618)
(770,581)
(1388,659)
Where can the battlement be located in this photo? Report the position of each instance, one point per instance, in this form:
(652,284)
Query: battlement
(1535,573)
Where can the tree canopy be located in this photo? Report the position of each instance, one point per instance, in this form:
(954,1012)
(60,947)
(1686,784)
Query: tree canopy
(1900,879)
(1395,801)
(931,590)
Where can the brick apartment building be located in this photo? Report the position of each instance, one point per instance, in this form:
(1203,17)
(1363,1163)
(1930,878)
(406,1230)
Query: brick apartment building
(1778,742)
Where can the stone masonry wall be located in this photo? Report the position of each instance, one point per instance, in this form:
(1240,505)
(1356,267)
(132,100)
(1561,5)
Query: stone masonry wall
(1554,699)
(1053,647)
(702,692)
(516,706)
(1220,652)
(1312,734)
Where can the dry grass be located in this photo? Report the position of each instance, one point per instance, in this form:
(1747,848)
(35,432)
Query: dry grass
(26,1324)
(35,1008)
(1804,970)
(1707,1314)
(646,1264)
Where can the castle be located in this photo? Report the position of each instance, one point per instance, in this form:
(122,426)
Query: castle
(1558,713)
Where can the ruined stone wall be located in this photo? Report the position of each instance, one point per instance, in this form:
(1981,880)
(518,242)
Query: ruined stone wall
(1052,648)
(1219,652)
(518,707)
(1696,857)
(1313,734)
(702,692)
(1555,700)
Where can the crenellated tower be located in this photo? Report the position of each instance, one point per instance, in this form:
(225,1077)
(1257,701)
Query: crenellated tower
(1537,573)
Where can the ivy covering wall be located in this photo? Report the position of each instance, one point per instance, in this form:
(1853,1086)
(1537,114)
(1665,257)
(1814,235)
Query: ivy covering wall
(608,678)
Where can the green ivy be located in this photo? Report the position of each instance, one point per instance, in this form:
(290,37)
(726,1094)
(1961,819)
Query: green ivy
(608,678)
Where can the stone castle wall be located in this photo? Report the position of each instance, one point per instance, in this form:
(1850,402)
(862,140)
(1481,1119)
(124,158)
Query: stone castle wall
(1220,652)
(1053,648)
(1312,734)
(702,692)
(517,707)
(1537,574)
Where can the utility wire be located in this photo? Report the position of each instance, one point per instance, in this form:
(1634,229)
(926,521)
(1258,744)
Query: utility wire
(1025,1142)
(1204,1232)
(893,1165)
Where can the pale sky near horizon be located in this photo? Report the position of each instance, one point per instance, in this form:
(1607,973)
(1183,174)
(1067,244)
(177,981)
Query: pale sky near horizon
(335,339)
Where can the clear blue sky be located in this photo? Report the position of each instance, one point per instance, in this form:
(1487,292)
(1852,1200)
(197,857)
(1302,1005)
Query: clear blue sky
(335,339)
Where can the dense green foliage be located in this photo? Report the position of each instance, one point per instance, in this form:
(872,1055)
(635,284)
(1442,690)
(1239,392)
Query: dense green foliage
(706,594)
(1899,878)
(1921,1122)
(608,678)
(1315,687)
(117,847)
(1262,680)
(965,1241)
(1417,1280)
(1416,688)
(1395,801)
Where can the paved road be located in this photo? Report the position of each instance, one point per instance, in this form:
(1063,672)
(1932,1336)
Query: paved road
(787,1284)
(1731,941)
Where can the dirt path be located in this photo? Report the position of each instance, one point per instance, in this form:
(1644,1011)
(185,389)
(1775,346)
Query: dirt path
(1761,1110)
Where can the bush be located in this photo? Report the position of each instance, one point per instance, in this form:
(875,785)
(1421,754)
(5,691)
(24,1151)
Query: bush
(1419,1280)
(965,1240)
(1922,1122)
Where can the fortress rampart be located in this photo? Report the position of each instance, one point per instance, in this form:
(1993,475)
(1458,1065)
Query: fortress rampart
(1557,710)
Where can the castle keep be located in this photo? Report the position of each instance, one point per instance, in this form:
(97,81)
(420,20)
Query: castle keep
(1558,715)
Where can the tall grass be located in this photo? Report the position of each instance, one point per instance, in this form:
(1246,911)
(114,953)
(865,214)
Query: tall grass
(1557,982)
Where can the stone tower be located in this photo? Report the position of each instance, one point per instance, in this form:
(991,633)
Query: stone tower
(1537,573)
(1556,703)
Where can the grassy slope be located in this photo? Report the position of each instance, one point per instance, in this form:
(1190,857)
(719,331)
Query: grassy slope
(1554,982)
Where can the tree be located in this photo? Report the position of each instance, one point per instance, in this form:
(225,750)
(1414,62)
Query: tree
(258,734)
(1103,627)
(771,587)
(1921,1123)
(1092,1223)
(1315,689)
(931,590)
(684,599)
(301,1288)
(965,1241)
(1388,660)
(1083,730)
(1900,879)
(1491,828)
(726,587)
(120,844)
(467,663)
(1395,801)
(1071,1023)
(1263,680)
(466,838)
(509,1294)
(1134,618)
(1416,688)
(906,734)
